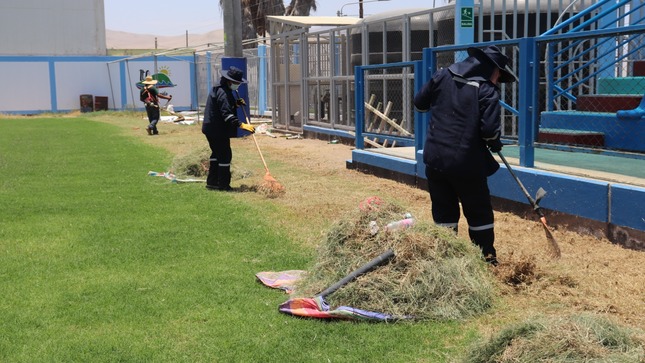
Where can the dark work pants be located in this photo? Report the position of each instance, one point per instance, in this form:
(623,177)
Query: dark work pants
(219,171)
(446,192)
(153,118)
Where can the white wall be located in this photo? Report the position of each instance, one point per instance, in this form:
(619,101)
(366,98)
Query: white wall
(179,73)
(54,84)
(24,86)
(52,27)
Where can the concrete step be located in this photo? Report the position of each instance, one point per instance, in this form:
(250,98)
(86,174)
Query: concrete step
(607,103)
(639,68)
(571,137)
(619,134)
(621,86)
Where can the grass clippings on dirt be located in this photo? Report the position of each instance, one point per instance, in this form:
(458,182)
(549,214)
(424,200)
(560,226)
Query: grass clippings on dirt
(195,163)
(434,274)
(576,338)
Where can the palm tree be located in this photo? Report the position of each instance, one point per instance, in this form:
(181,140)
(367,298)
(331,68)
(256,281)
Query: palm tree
(300,7)
(255,12)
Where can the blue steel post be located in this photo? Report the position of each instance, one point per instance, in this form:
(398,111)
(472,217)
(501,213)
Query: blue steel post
(422,73)
(423,118)
(360,106)
(53,98)
(607,22)
(262,79)
(528,66)
(209,74)
(418,116)
(193,80)
(464,25)
(123,74)
(243,91)
(550,86)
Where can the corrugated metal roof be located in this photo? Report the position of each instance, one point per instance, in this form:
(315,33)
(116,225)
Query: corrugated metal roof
(309,21)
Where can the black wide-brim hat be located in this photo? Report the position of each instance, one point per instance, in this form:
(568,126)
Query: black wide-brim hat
(494,55)
(234,74)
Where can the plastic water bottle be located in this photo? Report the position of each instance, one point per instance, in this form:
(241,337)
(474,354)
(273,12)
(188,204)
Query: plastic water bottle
(373,228)
(398,225)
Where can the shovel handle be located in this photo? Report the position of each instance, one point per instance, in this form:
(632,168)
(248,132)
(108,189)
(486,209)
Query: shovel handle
(537,208)
(248,121)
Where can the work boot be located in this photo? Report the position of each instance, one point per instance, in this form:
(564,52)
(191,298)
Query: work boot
(485,239)
(212,179)
(224,177)
(149,131)
(492,260)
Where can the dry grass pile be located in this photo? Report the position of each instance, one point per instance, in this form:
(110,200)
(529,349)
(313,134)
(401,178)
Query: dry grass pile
(193,164)
(575,338)
(518,272)
(270,187)
(196,163)
(434,274)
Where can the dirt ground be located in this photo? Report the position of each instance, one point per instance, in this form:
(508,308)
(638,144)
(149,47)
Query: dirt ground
(593,275)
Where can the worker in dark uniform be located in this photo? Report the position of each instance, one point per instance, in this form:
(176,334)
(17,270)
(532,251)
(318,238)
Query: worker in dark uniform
(150,96)
(220,124)
(464,128)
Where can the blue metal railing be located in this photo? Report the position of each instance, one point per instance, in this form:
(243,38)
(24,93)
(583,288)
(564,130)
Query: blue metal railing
(607,39)
(359,99)
(603,51)
(610,14)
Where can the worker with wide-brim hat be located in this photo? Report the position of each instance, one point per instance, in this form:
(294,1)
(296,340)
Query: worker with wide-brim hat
(233,74)
(220,124)
(464,129)
(495,56)
(149,81)
(150,96)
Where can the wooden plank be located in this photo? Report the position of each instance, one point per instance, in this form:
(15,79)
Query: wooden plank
(367,141)
(388,120)
(373,119)
(383,124)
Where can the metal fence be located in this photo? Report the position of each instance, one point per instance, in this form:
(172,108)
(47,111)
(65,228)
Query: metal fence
(385,111)
(207,74)
(314,70)
(592,79)
(590,85)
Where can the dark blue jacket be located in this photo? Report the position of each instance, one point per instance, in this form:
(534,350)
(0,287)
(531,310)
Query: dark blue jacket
(465,112)
(220,115)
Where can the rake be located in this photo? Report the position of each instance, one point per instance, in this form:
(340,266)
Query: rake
(269,186)
(554,249)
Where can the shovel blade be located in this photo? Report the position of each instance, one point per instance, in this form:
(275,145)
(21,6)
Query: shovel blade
(539,195)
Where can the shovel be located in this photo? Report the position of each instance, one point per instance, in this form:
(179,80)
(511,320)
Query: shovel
(553,244)
(179,116)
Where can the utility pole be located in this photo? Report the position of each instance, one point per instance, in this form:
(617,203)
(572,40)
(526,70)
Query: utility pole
(233,53)
(232,28)
(360,9)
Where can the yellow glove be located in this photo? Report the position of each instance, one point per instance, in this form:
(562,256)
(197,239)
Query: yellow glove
(248,127)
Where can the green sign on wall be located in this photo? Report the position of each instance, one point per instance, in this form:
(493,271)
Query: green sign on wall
(467,17)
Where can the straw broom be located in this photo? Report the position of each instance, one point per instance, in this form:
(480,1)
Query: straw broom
(269,186)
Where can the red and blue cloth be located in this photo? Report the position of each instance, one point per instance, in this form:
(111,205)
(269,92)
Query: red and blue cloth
(315,307)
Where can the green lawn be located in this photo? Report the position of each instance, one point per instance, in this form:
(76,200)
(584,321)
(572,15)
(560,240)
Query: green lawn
(101,263)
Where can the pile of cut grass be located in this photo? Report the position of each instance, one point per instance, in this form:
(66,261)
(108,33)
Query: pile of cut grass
(196,163)
(193,164)
(434,275)
(577,338)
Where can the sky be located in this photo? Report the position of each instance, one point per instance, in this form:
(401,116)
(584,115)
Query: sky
(166,17)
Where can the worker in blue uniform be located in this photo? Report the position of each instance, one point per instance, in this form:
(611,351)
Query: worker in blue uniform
(220,124)
(464,128)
